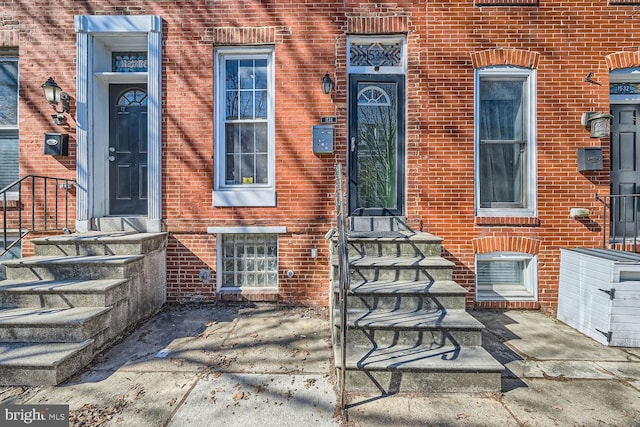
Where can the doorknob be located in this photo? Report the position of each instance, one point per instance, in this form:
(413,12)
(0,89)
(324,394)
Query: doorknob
(112,158)
(112,149)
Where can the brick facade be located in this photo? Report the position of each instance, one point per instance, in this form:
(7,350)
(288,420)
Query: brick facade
(446,41)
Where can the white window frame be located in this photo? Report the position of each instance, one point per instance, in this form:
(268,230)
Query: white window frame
(530,167)
(246,194)
(530,275)
(12,131)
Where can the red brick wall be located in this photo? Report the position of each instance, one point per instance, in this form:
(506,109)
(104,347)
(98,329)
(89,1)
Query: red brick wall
(445,38)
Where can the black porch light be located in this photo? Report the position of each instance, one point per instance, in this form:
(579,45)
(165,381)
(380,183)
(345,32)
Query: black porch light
(327,84)
(55,95)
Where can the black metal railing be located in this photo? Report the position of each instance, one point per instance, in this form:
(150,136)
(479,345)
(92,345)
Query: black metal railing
(343,278)
(36,212)
(620,221)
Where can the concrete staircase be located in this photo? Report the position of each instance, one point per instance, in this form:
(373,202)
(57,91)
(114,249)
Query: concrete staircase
(79,292)
(408,330)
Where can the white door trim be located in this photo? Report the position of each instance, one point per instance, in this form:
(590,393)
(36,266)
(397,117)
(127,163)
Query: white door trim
(96,37)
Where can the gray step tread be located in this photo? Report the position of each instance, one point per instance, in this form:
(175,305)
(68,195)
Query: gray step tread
(392,237)
(49,317)
(59,286)
(97,237)
(17,355)
(419,358)
(412,319)
(34,261)
(407,287)
(399,261)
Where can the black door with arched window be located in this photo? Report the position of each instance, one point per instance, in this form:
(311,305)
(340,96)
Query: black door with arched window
(376,145)
(127,149)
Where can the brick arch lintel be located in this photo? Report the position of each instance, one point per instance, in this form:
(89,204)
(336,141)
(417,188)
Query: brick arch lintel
(521,244)
(515,57)
(625,59)
(391,23)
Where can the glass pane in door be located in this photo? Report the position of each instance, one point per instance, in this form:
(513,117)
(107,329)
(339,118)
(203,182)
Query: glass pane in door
(376,145)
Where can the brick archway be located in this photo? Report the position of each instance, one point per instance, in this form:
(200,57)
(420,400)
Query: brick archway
(516,57)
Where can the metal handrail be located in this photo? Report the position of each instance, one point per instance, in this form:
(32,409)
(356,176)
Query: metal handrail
(343,279)
(618,206)
(25,227)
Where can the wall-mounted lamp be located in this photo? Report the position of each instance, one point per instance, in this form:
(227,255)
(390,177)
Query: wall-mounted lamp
(327,84)
(598,123)
(55,95)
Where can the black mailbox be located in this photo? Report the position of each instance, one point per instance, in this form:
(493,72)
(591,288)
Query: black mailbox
(56,144)
(590,159)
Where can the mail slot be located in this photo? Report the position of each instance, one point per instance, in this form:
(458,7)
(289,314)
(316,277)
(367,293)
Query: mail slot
(56,144)
(590,159)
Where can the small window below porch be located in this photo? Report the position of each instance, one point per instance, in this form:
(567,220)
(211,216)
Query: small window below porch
(506,276)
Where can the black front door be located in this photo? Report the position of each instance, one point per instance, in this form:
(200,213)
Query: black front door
(127,149)
(625,167)
(376,144)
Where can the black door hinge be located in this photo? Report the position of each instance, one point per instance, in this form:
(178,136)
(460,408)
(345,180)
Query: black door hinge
(611,292)
(607,335)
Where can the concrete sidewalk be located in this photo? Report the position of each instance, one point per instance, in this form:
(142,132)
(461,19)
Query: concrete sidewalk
(272,366)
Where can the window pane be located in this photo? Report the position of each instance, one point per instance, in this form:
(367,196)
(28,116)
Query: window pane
(261,104)
(246,105)
(231,73)
(500,175)
(8,159)
(262,168)
(232,105)
(501,109)
(8,93)
(261,140)
(261,74)
(246,74)
(247,138)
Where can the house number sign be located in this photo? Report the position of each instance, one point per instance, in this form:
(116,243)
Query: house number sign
(129,62)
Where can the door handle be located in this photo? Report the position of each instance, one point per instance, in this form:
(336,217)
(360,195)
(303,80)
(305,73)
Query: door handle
(353,144)
(112,158)
(112,149)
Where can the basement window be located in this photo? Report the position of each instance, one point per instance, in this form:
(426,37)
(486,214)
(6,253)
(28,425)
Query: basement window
(506,276)
(248,260)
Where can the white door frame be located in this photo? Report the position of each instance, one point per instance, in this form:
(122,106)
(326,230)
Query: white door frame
(97,37)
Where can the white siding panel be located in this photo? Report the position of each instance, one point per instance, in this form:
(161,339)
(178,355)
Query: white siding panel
(584,274)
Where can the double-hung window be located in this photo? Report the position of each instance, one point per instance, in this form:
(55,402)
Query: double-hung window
(8,122)
(505,181)
(244,128)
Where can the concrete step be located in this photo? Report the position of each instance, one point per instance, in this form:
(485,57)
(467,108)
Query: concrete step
(64,268)
(62,293)
(373,268)
(377,224)
(406,294)
(409,244)
(36,364)
(412,328)
(37,325)
(122,223)
(420,369)
(99,243)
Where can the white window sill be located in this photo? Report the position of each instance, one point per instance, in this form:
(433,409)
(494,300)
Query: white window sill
(246,198)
